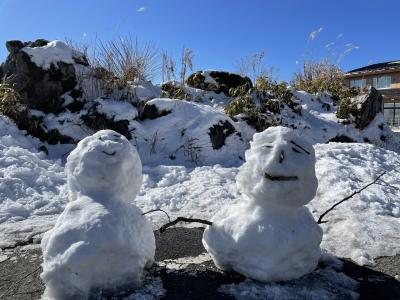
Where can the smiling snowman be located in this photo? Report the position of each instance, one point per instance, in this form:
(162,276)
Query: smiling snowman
(270,235)
(101,242)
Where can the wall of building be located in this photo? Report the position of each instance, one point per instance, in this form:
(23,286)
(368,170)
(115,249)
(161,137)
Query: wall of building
(369,79)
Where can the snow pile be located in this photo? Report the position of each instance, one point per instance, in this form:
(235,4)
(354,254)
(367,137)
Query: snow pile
(116,110)
(51,54)
(145,90)
(199,192)
(100,241)
(188,133)
(270,236)
(319,123)
(368,225)
(31,187)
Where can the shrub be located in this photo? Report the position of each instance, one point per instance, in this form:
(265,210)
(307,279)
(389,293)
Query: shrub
(10,104)
(323,76)
(343,111)
(174,90)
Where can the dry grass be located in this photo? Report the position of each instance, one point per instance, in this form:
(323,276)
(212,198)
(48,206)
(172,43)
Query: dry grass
(319,77)
(127,60)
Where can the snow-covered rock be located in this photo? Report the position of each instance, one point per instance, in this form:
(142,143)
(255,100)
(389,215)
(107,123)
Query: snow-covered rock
(101,241)
(270,236)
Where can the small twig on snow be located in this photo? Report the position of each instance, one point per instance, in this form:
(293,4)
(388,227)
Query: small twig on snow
(182,219)
(348,197)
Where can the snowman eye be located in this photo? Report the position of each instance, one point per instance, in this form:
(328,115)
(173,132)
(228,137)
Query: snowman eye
(300,147)
(267,146)
(281,156)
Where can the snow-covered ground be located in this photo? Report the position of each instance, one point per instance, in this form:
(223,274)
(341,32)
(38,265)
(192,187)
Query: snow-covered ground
(33,193)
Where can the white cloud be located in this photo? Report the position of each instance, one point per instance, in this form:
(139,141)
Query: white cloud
(340,35)
(141,9)
(329,45)
(314,34)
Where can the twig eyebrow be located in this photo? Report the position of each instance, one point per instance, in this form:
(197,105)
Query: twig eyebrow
(297,145)
(295,150)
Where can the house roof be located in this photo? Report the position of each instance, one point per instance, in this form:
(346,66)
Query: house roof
(385,66)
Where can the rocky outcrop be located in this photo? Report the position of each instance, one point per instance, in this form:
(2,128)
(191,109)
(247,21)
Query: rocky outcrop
(219,132)
(99,121)
(365,107)
(217,81)
(151,112)
(40,87)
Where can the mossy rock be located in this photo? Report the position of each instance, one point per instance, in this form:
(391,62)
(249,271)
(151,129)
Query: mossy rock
(223,81)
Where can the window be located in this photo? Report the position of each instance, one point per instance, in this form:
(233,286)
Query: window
(381,82)
(392,113)
(358,83)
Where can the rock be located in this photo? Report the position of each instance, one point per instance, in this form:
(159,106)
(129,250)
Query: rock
(37,43)
(150,111)
(14,46)
(217,81)
(219,132)
(341,139)
(365,107)
(99,121)
(39,88)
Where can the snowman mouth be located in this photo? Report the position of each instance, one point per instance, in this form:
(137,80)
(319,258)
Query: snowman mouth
(279,177)
(109,154)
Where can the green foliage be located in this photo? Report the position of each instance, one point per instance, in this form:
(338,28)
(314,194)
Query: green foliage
(345,108)
(343,111)
(174,91)
(240,91)
(270,98)
(9,101)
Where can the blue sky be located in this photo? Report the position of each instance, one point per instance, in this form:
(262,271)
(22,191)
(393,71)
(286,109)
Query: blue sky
(220,33)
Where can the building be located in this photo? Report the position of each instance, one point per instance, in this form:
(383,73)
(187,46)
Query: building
(386,78)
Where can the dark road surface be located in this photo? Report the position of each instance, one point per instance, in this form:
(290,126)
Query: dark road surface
(183,271)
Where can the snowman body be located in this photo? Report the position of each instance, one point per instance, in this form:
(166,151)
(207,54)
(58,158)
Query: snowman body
(271,235)
(101,242)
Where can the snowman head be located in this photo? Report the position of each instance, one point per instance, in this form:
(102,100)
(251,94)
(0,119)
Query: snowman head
(279,169)
(104,166)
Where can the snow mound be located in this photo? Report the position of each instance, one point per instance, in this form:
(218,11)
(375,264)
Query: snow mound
(318,122)
(31,187)
(100,241)
(188,133)
(367,225)
(116,110)
(49,55)
(270,236)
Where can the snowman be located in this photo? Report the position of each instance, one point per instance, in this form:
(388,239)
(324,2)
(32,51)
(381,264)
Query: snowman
(270,235)
(101,242)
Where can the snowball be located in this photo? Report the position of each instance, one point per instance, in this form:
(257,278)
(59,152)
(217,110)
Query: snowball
(279,169)
(103,166)
(100,241)
(271,236)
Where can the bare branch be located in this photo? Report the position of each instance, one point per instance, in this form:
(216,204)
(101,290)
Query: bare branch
(320,221)
(182,219)
(157,209)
